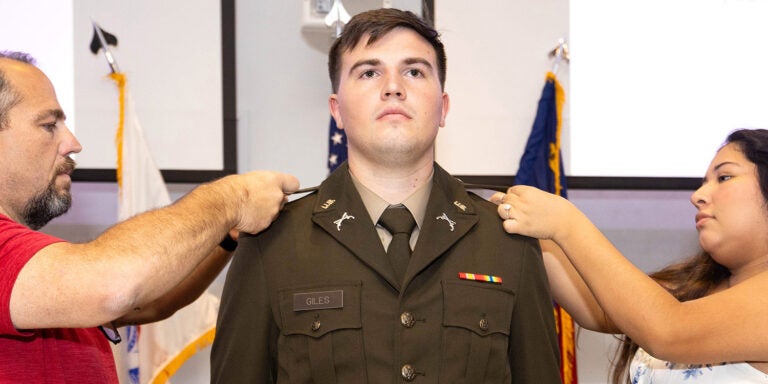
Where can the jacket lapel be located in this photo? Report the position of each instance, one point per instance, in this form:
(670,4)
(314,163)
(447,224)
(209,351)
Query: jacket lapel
(339,211)
(449,216)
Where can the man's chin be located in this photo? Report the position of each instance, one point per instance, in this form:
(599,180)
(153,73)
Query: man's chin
(63,185)
(52,203)
(65,197)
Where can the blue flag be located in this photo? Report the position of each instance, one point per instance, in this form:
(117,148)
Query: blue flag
(337,146)
(541,165)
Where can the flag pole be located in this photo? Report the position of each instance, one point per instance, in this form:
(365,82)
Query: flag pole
(560,52)
(119,79)
(107,53)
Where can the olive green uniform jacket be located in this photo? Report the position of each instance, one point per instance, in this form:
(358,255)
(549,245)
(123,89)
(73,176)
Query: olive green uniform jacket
(313,299)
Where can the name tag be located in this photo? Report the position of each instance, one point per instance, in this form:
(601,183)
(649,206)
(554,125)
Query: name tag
(318,300)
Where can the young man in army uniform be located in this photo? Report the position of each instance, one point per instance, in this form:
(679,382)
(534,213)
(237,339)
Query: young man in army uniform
(323,296)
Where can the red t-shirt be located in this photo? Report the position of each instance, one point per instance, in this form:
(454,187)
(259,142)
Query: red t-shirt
(44,355)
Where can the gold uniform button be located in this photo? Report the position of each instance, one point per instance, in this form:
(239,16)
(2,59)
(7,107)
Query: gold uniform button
(406,319)
(316,325)
(483,324)
(408,372)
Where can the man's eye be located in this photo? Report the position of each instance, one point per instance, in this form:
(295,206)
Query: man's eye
(413,72)
(368,74)
(49,127)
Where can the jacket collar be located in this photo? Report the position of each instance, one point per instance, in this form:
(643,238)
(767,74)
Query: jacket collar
(339,210)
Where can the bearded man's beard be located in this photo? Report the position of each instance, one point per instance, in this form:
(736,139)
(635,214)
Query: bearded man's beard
(49,203)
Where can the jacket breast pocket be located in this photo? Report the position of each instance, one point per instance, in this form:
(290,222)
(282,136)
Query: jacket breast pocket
(320,337)
(476,323)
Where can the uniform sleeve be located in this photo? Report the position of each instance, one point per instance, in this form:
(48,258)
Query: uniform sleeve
(534,354)
(244,349)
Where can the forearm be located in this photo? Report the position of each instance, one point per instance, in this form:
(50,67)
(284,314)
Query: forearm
(129,266)
(154,251)
(139,260)
(724,326)
(183,294)
(571,292)
(632,300)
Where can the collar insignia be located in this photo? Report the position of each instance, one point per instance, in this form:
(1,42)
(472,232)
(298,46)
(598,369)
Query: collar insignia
(450,222)
(341,220)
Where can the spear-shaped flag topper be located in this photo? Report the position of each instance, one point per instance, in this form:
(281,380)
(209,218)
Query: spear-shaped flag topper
(103,39)
(338,15)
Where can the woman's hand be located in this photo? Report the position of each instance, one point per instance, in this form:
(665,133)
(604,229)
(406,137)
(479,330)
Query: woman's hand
(532,212)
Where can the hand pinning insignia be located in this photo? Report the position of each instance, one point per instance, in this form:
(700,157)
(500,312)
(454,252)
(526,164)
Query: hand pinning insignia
(341,220)
(450,222)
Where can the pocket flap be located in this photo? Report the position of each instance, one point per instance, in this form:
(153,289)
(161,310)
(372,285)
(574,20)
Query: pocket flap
(316,310)
(481,308)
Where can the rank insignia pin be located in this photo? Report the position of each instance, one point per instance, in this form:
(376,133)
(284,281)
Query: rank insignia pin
(479,277)
(338,222)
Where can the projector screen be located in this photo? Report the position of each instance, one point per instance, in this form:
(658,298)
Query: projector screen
(178,70)
(657,85)
(49,39)
(651,90)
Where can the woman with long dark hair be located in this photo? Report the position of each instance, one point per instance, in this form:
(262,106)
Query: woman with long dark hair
(703,320)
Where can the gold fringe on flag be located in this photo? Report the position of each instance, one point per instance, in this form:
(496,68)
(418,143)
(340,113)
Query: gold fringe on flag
(563,320)
(119,78)
(554,148)
(172,366)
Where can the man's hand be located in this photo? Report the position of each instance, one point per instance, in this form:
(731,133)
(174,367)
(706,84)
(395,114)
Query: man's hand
(263,195)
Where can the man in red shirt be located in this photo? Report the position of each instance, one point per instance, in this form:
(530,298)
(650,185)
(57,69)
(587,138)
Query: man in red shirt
(53,294)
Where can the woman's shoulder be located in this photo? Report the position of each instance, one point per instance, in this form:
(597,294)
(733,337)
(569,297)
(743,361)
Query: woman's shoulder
(646,369)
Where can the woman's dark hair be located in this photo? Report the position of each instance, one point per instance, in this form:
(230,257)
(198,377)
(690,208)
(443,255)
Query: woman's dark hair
(753,143)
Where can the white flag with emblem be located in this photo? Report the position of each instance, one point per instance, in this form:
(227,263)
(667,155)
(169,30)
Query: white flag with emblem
(152,353)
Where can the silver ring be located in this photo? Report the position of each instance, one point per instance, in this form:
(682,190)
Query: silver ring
(507,207)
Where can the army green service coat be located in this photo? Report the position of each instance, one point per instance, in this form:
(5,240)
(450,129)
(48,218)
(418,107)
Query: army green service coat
(313,299)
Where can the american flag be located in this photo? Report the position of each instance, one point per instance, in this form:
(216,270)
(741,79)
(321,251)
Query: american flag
(337,146)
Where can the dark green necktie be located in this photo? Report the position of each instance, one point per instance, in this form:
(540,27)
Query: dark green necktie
(400,223)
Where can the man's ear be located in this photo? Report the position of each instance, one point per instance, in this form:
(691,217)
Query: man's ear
(446,107)
(333,106)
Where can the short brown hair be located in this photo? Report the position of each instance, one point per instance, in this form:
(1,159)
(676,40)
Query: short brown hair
(375,24)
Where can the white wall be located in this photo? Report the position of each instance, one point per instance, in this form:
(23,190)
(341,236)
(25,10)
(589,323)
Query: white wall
(282,104)
(497,60)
